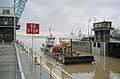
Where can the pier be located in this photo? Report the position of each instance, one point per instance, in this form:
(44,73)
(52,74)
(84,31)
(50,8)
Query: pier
(17,63)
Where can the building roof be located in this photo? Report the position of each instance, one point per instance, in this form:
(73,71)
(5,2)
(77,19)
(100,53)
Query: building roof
(97,29)
(17,27)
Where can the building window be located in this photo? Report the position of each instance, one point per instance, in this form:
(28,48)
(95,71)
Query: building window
(11,21)
(98,44)
(5,11)
(5,21)
(94,44)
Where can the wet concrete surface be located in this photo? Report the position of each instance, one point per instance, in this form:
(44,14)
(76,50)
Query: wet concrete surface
(9,68)
(32,69)
(28,65)
(7,62)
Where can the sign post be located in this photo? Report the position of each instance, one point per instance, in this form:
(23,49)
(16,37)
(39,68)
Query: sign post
(32,28)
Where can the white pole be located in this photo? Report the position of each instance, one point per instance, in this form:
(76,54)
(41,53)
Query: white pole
(1,38)
(14,24)
(88,26)
(32,46)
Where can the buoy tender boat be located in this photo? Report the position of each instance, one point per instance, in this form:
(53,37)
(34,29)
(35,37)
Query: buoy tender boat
(64,53)
(50,40)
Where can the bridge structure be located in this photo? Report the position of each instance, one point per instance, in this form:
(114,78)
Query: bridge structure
(19,7)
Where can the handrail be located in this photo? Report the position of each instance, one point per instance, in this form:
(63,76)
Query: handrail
(56,66)
(42,57)
(19,63)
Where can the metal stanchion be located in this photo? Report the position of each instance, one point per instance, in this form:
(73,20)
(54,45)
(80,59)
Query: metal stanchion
(40,65)
(62,75)
(3,44)
(50,72)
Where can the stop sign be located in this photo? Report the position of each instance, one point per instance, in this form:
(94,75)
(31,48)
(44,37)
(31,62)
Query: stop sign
(32,28)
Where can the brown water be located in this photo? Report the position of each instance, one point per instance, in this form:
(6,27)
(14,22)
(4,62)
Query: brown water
(103,67)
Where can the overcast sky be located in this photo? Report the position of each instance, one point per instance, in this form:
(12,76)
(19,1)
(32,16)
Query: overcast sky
(64,16)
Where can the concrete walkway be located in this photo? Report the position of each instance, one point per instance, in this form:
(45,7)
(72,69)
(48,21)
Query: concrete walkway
(9,67)
(29,68)
(7,62)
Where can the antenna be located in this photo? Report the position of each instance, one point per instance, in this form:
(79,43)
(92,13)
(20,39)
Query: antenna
(50,31)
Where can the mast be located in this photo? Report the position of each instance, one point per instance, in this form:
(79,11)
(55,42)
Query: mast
(50,32)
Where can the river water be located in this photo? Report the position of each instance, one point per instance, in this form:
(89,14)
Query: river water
(103,67)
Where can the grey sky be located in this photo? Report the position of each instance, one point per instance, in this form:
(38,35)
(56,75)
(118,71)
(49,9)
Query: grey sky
(64,16)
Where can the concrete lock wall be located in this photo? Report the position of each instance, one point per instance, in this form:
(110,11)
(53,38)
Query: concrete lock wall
(98,47)
(83,46)
(102,48)
(95,48)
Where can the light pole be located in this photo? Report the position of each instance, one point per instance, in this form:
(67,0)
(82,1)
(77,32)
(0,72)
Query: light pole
(88,25)
(14,23)
(90,38)
(95,19)
(91,26)
(79,34)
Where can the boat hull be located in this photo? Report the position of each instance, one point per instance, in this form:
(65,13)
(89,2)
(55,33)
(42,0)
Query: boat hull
(78,59)
(70,59)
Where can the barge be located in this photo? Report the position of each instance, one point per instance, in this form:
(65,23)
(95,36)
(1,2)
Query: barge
(64,53)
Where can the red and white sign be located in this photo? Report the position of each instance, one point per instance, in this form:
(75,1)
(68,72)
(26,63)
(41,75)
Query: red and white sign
(32,28)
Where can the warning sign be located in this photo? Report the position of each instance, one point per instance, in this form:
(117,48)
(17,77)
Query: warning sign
(32,28)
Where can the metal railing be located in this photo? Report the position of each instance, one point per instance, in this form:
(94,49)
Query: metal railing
(46,66)
(19,73)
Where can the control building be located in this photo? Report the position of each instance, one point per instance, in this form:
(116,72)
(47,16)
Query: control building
(102,31)
(7,24)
